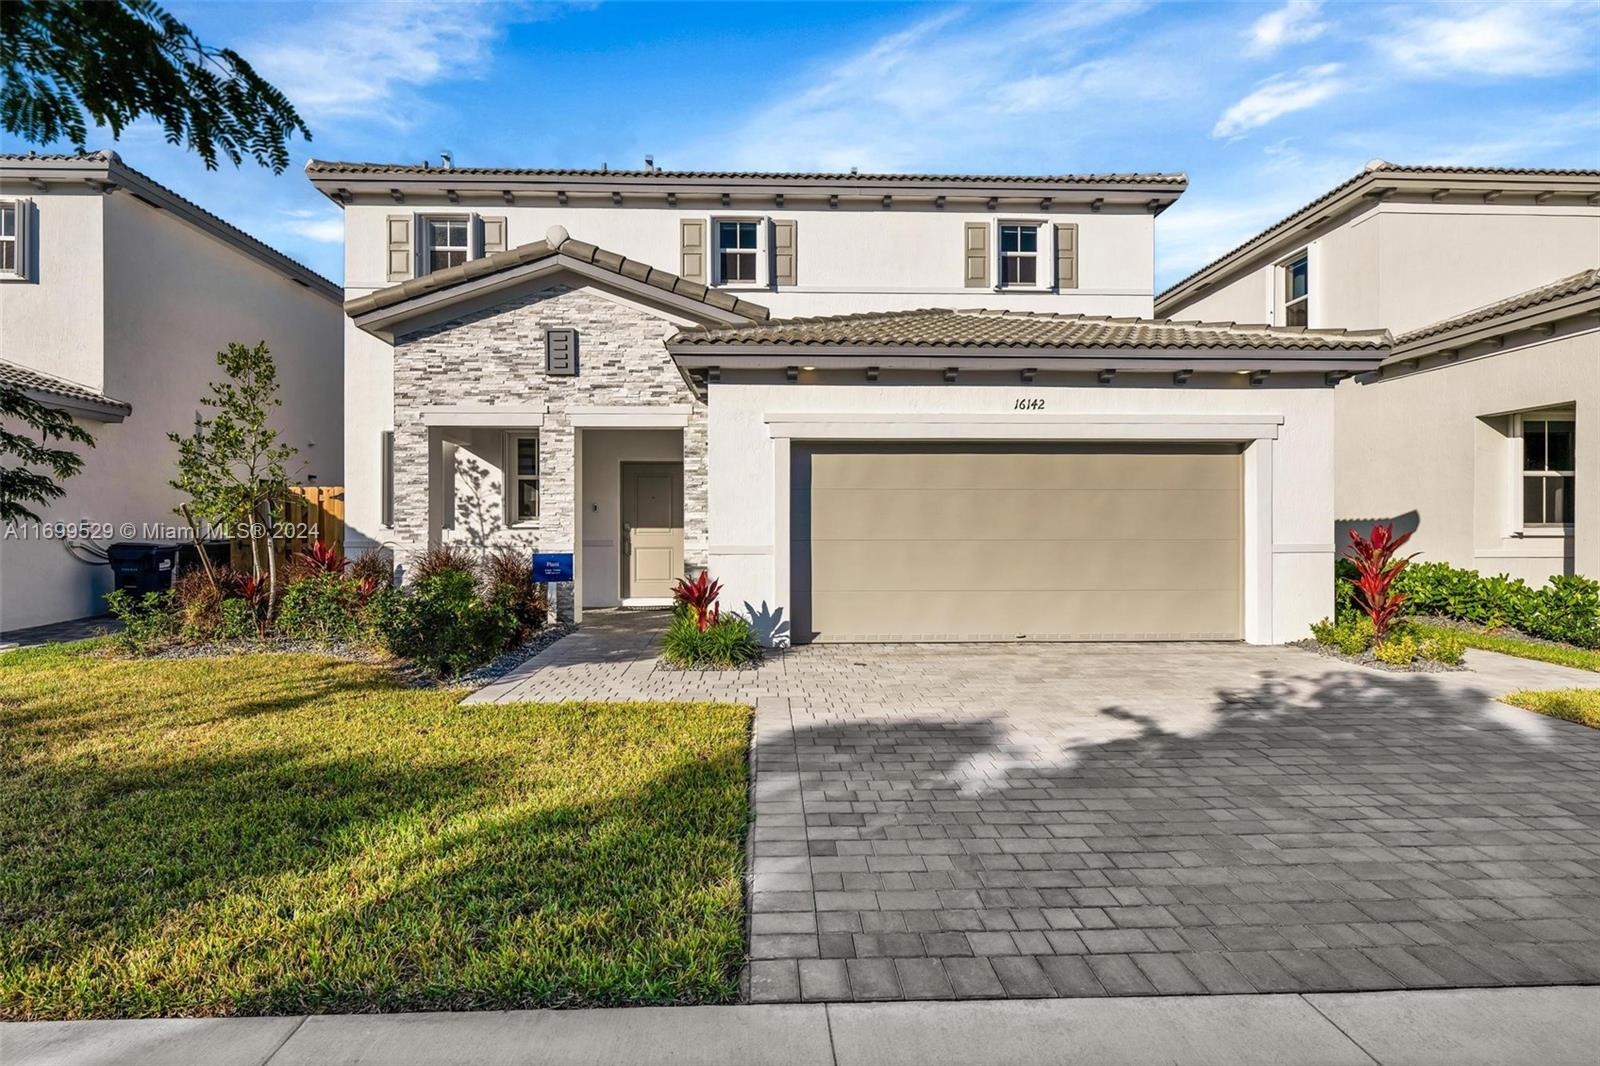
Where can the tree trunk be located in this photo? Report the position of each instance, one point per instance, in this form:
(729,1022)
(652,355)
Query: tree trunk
(272,562)
(205,559)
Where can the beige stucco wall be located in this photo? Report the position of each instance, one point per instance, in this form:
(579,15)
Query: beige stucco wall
(851,258)
(169,297)
(1432,443)
(1398,265)
(1289,548)
(54,322)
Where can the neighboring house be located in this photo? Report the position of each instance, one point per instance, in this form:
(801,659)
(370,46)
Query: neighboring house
(984,436)
(115,296)
(1481,432)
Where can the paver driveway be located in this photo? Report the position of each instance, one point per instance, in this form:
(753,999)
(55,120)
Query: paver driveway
(1036,820)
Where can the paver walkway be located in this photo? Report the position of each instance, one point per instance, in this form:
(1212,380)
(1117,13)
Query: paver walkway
(937,821)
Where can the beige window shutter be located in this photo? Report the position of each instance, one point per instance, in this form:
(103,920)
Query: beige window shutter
(692,249)
(494,233)
(400,261)
(785,254)
(977,255)
(1066,255)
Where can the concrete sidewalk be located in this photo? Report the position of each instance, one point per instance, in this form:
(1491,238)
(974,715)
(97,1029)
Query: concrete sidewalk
(1546,1026)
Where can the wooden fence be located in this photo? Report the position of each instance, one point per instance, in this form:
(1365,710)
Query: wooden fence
(317,511)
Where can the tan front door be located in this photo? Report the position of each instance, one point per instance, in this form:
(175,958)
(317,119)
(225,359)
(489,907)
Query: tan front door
(914,542)
(652,529)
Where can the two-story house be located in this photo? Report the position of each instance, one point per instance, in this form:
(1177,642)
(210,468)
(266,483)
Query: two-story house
(877,407)
(1481,431)
(115,296)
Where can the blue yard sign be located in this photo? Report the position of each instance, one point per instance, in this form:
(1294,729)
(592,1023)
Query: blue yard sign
(552,566)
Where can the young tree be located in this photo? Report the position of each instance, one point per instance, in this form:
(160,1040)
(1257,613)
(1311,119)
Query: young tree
(127,59)
(232,466)
(39,425)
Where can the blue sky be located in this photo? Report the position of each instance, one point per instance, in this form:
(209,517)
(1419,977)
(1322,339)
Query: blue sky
(1264,105)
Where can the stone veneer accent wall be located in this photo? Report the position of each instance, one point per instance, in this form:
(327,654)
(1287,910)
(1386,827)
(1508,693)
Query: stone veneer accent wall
(496,356)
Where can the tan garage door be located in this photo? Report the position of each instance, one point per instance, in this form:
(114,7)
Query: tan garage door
(1002,542)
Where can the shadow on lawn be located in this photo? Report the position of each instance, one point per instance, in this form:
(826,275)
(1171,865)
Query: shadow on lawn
(326,874)
(1295,823)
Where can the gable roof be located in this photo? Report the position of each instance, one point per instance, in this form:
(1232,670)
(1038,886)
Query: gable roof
(1376,178)
(557,245)
(107,170)
(1008,331)
(1574,294)
(59,392)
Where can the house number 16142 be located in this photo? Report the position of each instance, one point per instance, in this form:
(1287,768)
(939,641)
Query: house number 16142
(1028,403)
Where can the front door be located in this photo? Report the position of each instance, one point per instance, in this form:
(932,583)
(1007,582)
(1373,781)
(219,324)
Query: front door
(652,529)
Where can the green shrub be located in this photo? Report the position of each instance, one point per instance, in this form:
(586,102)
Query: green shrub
(1352,635)
(727,642)
(1399,650)
(324,607)
(238,620)
(1568,610)
(149,622)
(1444,648)
(444,625)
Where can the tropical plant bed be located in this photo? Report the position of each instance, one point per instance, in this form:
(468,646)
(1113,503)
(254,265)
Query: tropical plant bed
(1581,705)
(1509,641)
(1370,658)
(280,834)
(404,670)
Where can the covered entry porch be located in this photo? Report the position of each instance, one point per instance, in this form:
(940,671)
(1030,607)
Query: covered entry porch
(607,484)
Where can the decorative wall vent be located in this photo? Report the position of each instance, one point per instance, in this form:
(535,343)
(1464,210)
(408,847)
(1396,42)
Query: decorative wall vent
(561,352)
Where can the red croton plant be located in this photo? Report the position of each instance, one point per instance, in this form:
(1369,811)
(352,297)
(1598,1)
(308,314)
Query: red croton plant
(701,596)
(323,559)
(1377,566)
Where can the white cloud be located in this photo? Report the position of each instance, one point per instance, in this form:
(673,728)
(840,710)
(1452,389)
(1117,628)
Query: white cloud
(1507,40)
(1294,23)
(955,88)
(367,63)
(1280,96)
(322,230)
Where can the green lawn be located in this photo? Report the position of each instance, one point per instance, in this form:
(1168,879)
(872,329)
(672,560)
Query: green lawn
(1581,705)
(288,833)
(1561,655)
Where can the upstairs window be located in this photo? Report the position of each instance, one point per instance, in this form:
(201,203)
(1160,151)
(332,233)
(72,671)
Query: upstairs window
(1548,473)
(448,242)
(1019,254)
(13,239)
(1296,292)
(738,248)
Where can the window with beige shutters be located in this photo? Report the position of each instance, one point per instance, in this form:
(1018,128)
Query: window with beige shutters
(448,242)
(1019,254)
(738,251)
